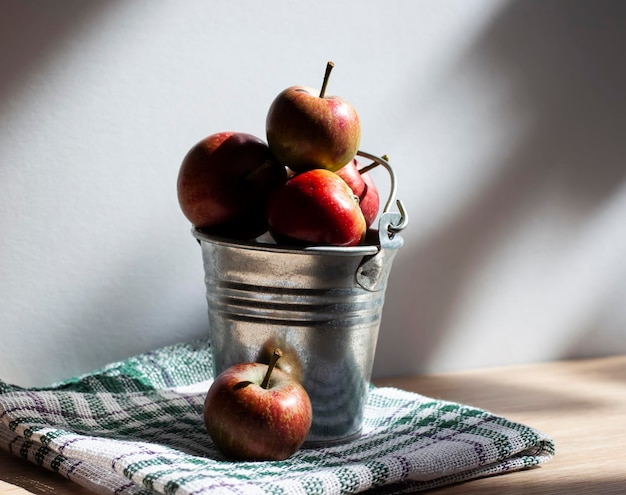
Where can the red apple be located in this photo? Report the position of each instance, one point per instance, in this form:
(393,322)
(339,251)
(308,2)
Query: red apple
(224,182)
(307,129)
(255,412)
(315,207)
(365,189)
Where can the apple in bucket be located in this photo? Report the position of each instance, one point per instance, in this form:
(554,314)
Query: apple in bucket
(256,412)
(307,129)
(315,207)
(364,187)
(224,182)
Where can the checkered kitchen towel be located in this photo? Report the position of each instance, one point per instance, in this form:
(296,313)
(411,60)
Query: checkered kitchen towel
(135,428)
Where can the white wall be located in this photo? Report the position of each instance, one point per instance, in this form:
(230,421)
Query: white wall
(504,120)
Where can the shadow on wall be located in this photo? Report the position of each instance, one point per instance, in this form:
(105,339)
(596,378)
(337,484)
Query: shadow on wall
(565,63)
(32,35)
(37,28)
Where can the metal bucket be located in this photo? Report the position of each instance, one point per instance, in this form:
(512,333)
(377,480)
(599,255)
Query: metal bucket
(321,305)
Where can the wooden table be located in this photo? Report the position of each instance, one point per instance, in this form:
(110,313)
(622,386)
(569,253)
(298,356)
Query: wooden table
(580,404)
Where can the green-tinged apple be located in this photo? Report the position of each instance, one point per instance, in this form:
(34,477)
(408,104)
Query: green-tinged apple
(255,412)
(315,207)
(307,129)
(364,187)
(224,182)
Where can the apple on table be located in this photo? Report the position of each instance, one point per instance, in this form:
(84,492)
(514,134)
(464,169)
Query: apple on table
(257,412)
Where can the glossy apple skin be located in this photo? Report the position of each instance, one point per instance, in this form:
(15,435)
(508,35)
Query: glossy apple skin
(305,131)
(364,188)
(248,422)
(316,207)
(224,182)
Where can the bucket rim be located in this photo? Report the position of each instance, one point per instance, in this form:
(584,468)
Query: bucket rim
(360,250)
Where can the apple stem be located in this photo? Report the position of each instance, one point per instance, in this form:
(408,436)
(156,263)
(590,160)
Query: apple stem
(372,165)
(329,67)
(270,367)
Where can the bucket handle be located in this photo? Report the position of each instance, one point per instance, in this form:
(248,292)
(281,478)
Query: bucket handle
(397,224)
(374,270)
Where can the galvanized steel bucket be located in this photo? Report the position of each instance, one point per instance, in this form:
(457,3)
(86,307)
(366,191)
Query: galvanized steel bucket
(321,305)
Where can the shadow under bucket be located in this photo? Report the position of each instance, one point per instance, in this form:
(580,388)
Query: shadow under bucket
(321,305)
